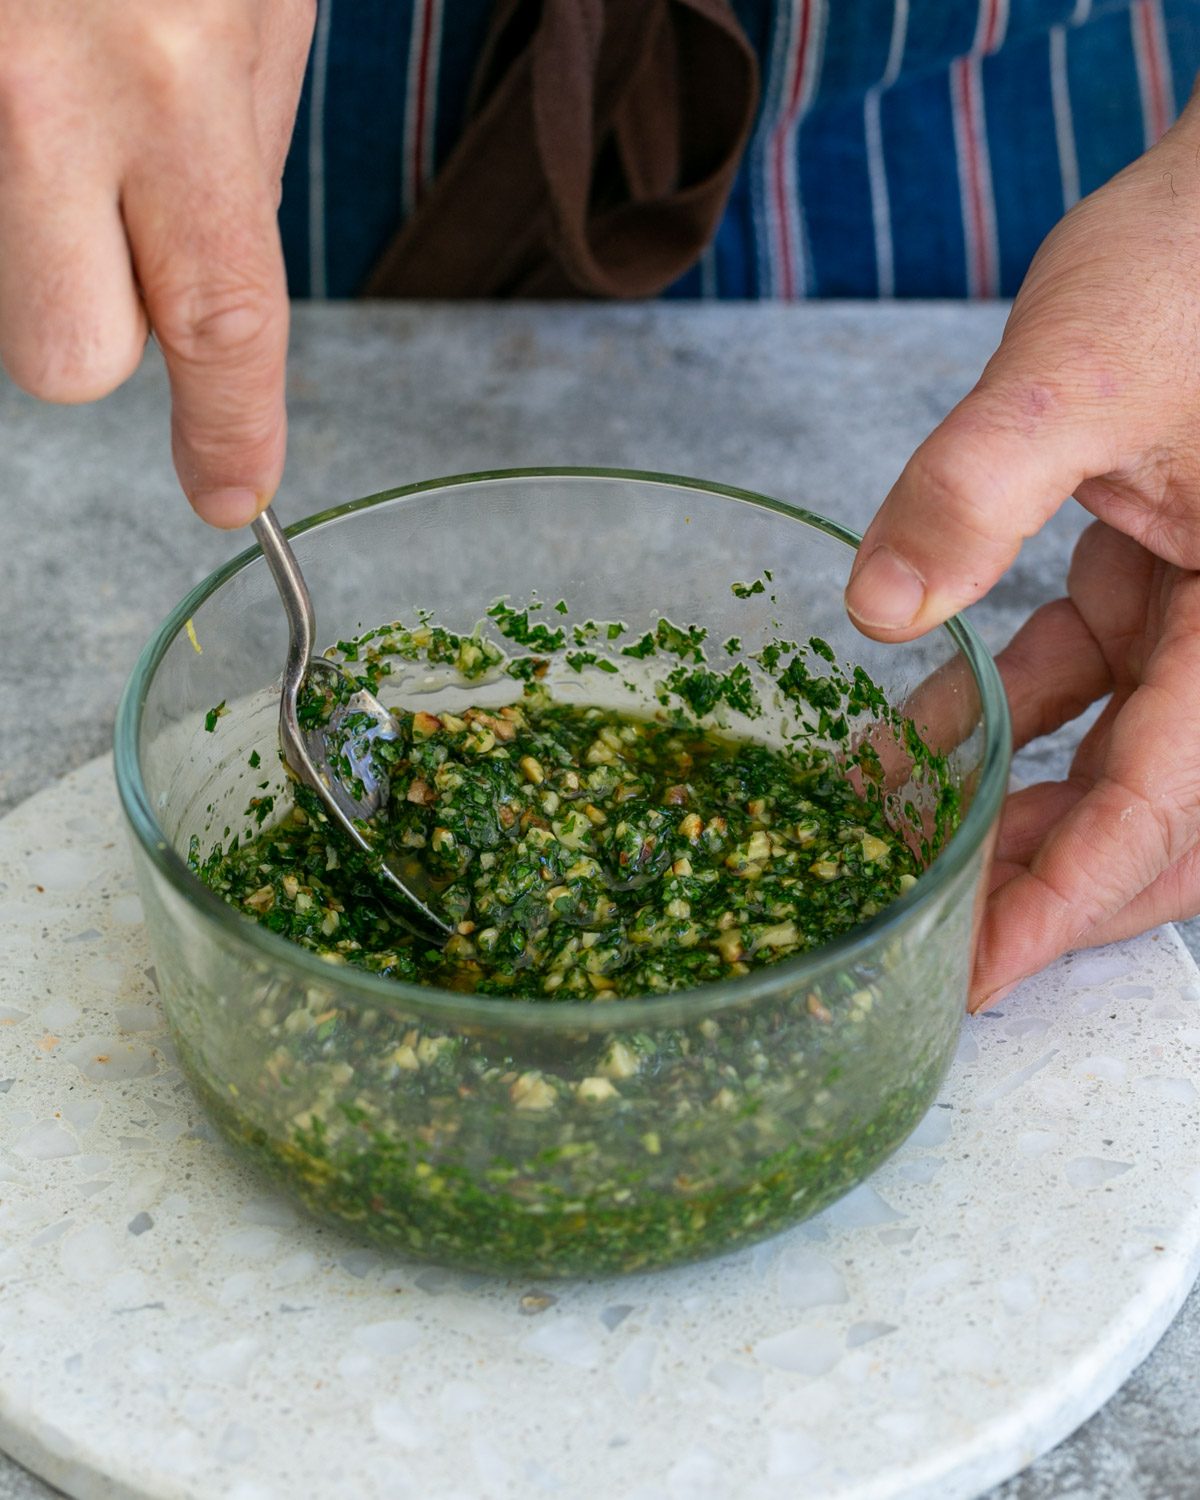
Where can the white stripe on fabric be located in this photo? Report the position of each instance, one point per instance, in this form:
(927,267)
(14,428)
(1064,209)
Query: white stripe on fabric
(1001,31)
(781,200)
(1141,63)
(815,56)
(317,278)
(958,109)
(709,289)
(437,13)
(974,177)
(896,47)
(1083,9)
(1170,104)
(1064,123)
(881,208)
(1153,59)
(409,166)
(814,64)
(760,147)
(801,86)
(795,276)
(957,114)
(990,268)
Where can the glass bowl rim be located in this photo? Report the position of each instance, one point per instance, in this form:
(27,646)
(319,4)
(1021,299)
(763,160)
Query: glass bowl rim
(673,1008)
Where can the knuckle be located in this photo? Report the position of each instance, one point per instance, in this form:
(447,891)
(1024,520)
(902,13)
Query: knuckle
(178,44)
(71,370)
(219,325)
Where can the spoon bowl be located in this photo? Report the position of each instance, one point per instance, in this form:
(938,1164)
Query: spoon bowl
(335,758)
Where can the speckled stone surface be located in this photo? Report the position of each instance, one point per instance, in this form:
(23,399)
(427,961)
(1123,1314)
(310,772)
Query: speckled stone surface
(820,404)
(172,1329)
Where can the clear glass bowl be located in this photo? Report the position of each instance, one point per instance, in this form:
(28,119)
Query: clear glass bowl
(737,1108)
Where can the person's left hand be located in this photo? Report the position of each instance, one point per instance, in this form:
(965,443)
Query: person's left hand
(1095,391)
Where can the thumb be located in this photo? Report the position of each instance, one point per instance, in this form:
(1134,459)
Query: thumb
(989,476)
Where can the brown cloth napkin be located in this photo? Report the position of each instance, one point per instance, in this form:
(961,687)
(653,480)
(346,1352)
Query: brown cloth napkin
(602,142)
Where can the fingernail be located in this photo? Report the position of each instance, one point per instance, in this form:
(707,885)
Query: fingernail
(884,591)
(227,508)
(994,998)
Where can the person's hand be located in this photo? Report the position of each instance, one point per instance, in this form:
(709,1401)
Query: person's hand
(1095,390)
(141,150)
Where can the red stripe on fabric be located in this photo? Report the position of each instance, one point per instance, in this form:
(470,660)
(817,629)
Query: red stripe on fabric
(982,275)
(787,275)
(780,144)
(801,58)
(1152,45)
(421,122)
(991,25)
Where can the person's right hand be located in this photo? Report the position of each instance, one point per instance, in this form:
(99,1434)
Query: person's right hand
(141,150)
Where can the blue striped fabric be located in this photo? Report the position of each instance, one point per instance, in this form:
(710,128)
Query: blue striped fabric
(910,148)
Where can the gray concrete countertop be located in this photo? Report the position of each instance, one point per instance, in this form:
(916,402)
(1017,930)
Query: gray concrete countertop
(816,404)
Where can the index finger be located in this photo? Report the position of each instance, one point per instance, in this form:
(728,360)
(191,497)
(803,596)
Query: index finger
(199,211)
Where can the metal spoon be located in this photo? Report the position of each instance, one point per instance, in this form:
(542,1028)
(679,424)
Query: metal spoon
(347,737)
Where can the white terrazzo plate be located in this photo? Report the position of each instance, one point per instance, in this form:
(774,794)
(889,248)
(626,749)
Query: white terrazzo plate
(170,1328)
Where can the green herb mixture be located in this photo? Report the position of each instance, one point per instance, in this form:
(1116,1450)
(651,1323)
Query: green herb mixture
(590,854)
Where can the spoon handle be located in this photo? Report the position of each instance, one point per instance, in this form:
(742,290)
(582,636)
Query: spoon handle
(289,580)
(302,629)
